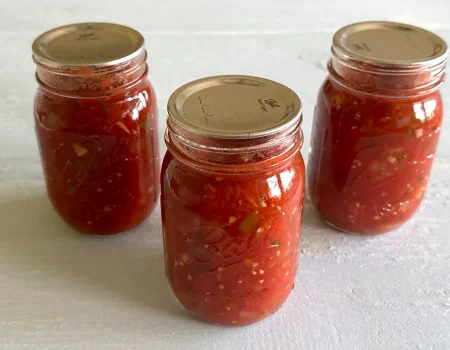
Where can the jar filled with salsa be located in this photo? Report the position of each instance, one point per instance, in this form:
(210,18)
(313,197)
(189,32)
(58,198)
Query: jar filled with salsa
(95,117)
(232,197)
(376,126)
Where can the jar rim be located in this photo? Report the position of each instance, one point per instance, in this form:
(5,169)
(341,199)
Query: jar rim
(176,146)
(432,79)
(138,78)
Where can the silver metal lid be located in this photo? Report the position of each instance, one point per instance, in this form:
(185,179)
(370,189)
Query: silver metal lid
(390,44)
(234,106)
(87,45)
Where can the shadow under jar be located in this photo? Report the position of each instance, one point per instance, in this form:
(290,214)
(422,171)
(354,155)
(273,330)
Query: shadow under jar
(376,126)
(95,117)
(232,197)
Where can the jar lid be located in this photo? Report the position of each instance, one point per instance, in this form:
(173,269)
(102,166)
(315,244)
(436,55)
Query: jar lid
(87,45)
(234,107)
(390,44)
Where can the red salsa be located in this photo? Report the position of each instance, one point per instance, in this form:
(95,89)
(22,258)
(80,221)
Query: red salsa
(372,147)
(371,157)
(231,222)
(97,134)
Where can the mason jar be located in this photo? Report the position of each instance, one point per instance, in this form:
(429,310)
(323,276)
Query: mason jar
(95,117)
(376,126)
(232,197)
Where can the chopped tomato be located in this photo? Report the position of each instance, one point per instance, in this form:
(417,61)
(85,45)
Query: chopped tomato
(232,239)
(100,157)
(371,156)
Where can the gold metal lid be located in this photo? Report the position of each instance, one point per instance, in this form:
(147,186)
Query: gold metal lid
(87,45)
(389,44)
(234,106)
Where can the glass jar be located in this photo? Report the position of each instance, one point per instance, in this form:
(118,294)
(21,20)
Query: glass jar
(376,126)
(232,197)
(95,117)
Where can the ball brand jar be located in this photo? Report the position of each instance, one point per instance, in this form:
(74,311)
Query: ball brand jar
(232,197)
(376,126)
(95,117)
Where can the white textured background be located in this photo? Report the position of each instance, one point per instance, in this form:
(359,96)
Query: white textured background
(62,290)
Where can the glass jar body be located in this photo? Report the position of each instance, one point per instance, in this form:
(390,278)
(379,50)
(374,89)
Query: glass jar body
(231,239)
(371,154)
(100,155)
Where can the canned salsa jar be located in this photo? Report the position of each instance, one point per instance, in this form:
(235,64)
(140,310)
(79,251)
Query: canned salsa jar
(376,126)
(95,116)
(232,197)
